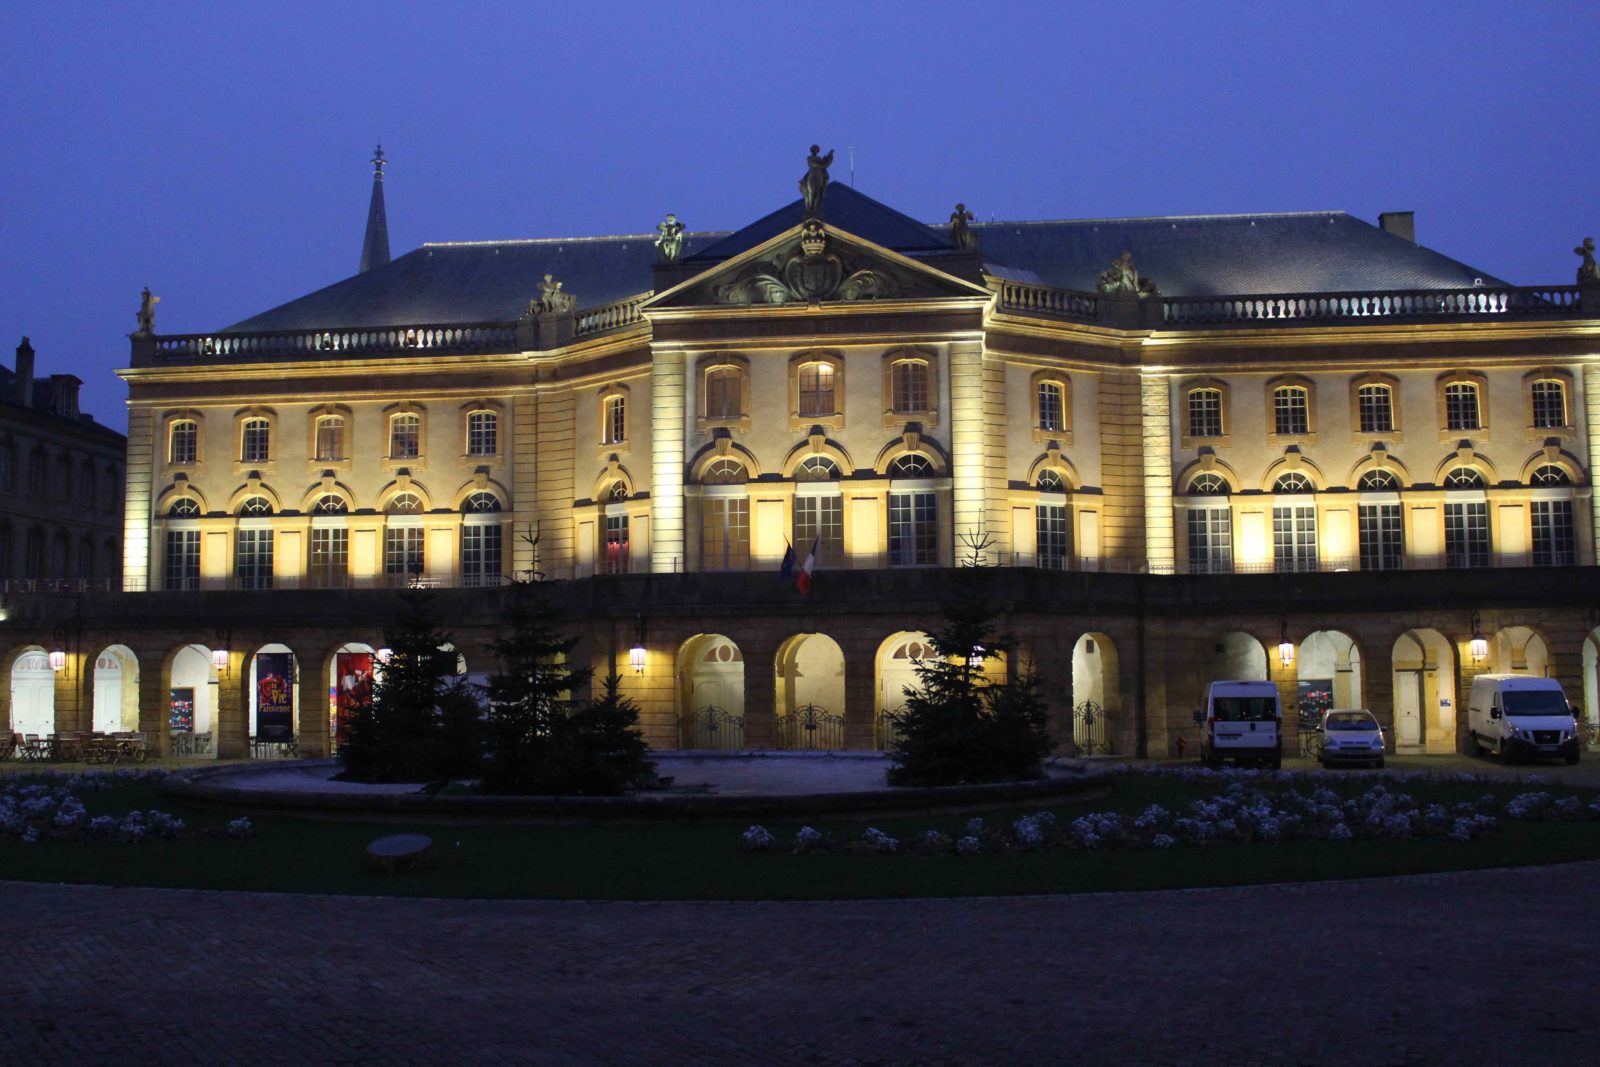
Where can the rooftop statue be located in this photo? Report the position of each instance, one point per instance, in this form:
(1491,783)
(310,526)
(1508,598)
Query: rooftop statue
(1588,270)
(1120,279)
(815,183)
(961,234)
(669,239)
(551,299)
(147,310)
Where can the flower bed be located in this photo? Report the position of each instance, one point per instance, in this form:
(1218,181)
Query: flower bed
(34,810)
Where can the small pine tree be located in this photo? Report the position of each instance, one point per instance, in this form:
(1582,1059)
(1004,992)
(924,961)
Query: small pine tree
(608,754)
(528,699)
(957,728)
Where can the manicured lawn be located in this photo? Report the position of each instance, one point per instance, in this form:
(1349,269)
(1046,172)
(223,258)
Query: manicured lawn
(705,861)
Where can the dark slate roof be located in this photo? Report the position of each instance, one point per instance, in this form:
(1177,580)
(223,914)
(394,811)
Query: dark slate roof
(1210,255)
(845,209)
(479,281)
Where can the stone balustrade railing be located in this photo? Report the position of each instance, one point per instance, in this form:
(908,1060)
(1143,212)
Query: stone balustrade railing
(358,341)
(1508,301)
(611,316)
(1044,300)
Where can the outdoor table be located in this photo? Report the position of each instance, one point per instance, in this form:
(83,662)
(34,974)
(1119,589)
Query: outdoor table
(36,748)
(67,747)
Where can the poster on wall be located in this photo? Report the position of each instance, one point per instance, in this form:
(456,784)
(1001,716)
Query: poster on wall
(1316,697)
(182,717)
(354,690)
(275,696)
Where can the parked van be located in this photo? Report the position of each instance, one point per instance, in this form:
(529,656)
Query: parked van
(1241,721)
(1515,715)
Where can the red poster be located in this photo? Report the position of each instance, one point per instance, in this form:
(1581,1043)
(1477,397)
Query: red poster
(354,690)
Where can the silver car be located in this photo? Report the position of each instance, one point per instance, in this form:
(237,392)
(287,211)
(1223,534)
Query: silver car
(1351,735)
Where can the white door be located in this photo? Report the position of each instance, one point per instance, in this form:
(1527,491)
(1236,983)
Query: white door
(1408,707)
(33,696)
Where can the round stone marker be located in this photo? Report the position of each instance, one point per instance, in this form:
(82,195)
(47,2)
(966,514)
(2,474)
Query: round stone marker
(399,852)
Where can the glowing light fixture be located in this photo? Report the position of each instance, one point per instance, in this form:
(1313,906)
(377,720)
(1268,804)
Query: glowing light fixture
(1479,645)
(384,655)
(58,660)
(219,658)
(636,658)
(1285,646)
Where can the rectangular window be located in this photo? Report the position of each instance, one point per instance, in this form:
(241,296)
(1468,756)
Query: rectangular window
(615,430)
(1291,412)
(329,561)
(1050,521)
(181,569)
(1205,413)
(1294,538)
(256,443)
(1210,541)
(722,393)
(614,554)
(1466,535)
(1376,408)
(483,433)
(816,390)
(819,516)
(1052,415)
(1554,544)
(405,437)
(330,438)
(910,386)
(913,530)
(402,554)
(1382,537)
(725,534)
(480,554)
(1461,406)
(1549,405)
(184,443)
(252,559)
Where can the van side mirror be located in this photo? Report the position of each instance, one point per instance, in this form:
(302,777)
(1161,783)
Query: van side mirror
(1198,718)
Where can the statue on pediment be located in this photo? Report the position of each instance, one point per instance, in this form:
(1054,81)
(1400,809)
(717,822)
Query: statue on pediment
(1121,279)
(669,238)
(961,234)
(1588,270)
(552,300)
(815,183)
(147,311)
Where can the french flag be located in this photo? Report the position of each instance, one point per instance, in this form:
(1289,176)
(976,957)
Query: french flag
(802,581)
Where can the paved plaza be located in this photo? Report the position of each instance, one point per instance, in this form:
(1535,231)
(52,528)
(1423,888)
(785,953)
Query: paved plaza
(1495,967)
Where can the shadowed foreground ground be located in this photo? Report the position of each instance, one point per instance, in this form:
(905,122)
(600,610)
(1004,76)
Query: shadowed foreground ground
(1479,967)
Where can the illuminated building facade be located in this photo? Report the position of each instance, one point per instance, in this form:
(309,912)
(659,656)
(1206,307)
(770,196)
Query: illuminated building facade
(1295,446)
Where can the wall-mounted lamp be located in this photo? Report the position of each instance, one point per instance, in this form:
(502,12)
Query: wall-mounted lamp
(1285,646)
(1479,645)
(219,648)
(637,654)
(58,660)
(219,658)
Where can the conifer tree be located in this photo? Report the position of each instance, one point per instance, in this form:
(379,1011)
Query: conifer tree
(528,698)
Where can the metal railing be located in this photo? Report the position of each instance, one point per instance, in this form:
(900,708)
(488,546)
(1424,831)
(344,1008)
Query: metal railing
(809,728)
(1089,729)
(711,727)
(1478,301)
(889,728)
(58,585)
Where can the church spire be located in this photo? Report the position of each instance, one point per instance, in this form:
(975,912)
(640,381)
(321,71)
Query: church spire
(375,249)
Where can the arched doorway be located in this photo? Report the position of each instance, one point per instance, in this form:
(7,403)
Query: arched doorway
(1423,664)
(116,690)
(351,670)
(1236,657)
(33,693)
(896,672)
(810,693)
(274,701)
(1519,650)
(1096,698)
(1327,675)
(192,703)
(711,693)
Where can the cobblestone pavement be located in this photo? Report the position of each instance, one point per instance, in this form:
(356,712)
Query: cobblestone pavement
(1495,967)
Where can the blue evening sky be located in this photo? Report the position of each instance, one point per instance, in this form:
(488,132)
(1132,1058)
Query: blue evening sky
(217,152)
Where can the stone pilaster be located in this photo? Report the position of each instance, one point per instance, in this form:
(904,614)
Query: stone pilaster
(524,478)
(313,707)
(1591,429)
(668,411)
(970,514)
(1156,433)
(137,501)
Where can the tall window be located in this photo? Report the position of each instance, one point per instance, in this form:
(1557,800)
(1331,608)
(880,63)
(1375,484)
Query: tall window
(614,420)
(1205,413)
(1052,407)
(255,445)
(722,393)
(86,482)
(252,558)
(402,553)
(913,529)
(181,569)
(1554,544)
(1050,523)
(1461,406)
(819,520)
(1291,411)
(480,553)
(330,438)
(614,557)
(724,472)
(1294,527)
(36,473)
(1382,537)
(405,437)
(5,550)
(483,433)
(908,382)
(1466,534)
(183,442)
(330,504)
(816,390)
(725,533)
(1549,404)
(329,557)
(1210,540)
(1375,408)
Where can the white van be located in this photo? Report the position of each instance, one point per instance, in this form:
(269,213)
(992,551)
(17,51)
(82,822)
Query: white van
(1241,721)
(1515,715)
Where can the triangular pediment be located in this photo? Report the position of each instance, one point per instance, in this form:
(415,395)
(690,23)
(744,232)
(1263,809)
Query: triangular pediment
(814,263)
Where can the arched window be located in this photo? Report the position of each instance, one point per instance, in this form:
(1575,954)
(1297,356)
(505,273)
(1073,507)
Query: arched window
(1052,526)
(255,507)
(404,504)
(330,504)
(329,444)
(724,472)
(616,492)
(1380,523)
(1208,483)
(183,442)
(481,501)
(1550,475)
(483,433)
(1379,481)
(911,465)
(255,441)
(910,386)
(817,469)
(1294,526)
(405,436)
(1293,482)
(1466,522)
(1555,542)
(816,390)
(185,507)
(481,536)
(1464,478)
(1050,481)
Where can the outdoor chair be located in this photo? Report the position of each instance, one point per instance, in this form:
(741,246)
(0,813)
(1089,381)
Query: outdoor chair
(8,746)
